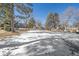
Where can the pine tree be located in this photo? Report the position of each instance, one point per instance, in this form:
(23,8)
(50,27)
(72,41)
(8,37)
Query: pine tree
(9,8)
(52,21)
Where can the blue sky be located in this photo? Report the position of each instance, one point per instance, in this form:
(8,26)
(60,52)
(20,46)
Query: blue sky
(41,10)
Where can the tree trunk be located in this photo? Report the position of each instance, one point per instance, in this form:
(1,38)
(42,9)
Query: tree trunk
(12,18)
(12,25)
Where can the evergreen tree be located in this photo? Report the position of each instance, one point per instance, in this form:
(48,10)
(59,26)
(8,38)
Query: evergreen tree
(52,21)
(31,23)
(8,10)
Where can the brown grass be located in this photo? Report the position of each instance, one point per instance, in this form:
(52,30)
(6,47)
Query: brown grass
(5,33)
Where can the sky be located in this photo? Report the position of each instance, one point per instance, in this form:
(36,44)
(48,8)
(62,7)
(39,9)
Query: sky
(41,10)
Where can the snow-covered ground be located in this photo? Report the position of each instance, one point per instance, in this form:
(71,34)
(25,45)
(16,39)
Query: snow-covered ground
(36,42)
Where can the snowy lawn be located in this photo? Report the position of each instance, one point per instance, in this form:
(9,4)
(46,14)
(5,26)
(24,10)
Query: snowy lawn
(36,42)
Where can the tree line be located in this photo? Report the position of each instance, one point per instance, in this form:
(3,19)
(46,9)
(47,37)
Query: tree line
(9,20)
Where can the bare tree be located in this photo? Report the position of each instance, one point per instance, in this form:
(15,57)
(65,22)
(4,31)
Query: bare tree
(68,17)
